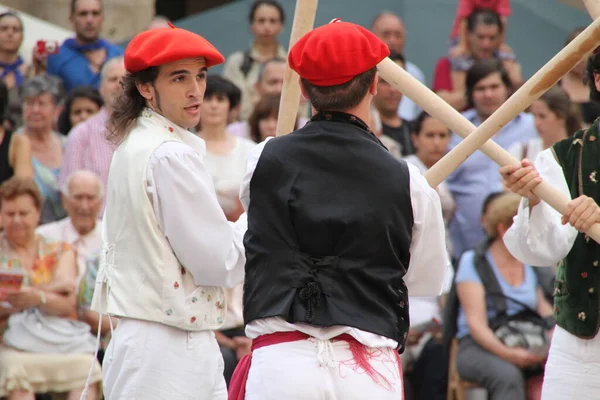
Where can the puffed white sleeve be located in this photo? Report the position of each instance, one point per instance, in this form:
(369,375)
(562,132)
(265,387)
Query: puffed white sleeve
(208,246)
(253,157)
(428,254)
(537,236)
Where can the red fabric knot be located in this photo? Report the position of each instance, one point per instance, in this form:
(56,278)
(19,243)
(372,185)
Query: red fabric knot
(584,275)
(176,285)
(170,129)
(193,319)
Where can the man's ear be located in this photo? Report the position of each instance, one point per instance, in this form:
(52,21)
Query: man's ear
(373,87)
(146,90)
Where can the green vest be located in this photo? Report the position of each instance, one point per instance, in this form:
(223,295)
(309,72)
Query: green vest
(576,300)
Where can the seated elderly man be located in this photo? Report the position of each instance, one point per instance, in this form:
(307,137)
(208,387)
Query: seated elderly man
(82,197)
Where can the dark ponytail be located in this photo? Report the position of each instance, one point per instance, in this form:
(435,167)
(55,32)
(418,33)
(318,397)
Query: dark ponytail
(559,103)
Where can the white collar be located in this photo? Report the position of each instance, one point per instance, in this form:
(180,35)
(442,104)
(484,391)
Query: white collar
(183,134)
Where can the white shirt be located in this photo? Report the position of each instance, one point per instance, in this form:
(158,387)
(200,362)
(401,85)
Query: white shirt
(446,198)
(423,309)
(426,270)
(173,168)
(167,247)
(86,246)
(540,238)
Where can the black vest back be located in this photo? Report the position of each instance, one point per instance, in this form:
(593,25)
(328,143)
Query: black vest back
(329,230)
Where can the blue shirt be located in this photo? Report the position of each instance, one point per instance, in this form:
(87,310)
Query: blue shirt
(525,292)
(73,67)
(476,178)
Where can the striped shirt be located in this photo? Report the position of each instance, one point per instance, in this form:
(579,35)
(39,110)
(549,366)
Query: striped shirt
(88,149)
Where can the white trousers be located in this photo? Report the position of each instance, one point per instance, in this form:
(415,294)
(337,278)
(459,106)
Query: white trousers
(320,370)
(573,368)
(151,361)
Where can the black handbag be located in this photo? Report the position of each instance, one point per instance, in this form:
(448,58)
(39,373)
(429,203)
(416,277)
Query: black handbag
(526,329)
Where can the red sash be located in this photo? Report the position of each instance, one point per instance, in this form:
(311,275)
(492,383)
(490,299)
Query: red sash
(237,385)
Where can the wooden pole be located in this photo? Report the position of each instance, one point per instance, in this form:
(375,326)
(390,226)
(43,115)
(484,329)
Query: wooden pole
(593,8)
(438,108)
(539,83)
(304,21)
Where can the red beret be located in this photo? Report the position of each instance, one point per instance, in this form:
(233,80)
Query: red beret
(160,46)
(333,54)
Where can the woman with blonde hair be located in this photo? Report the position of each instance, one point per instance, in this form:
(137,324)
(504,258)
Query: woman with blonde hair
(482,356)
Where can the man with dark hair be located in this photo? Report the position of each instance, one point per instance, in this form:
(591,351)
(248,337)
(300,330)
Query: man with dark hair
(541,236)
(339,232)
(484,34)
(167,248)
(80,59)
(488,86)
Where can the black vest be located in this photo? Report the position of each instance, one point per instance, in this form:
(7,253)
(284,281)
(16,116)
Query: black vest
(329,229)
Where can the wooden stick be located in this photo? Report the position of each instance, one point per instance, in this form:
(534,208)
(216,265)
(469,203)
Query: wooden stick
(304,21)
(593,8)
(434,105)
(539,83)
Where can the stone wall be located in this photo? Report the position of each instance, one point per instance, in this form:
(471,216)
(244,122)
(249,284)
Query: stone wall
(122,18)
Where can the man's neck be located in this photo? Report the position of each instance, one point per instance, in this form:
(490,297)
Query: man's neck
(107,109)
(8,57)
(362,111)
(82,41)
(391,119)
(83,230)
(427,163)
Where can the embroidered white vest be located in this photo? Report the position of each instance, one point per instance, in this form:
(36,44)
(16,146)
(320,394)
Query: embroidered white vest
(139,276)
